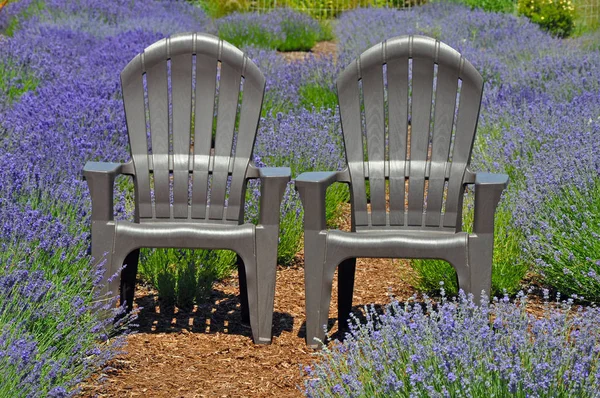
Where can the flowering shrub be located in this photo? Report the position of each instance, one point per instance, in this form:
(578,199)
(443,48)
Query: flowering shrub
(568,241)
(280,29)
(555,16)
(461,349)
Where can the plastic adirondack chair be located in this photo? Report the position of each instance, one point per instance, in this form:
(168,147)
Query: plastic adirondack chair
(187,161)
(413,126)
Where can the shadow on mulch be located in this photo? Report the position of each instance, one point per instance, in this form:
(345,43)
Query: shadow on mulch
(220,314)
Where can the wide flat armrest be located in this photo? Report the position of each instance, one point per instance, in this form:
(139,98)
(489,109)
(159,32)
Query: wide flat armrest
(271,172)
(273,182)
(100,177)
(312,187)
(317,177)
(488,190)
(102,167)
(500,180)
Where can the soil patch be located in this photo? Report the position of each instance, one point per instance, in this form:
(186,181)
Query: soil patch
(322,48)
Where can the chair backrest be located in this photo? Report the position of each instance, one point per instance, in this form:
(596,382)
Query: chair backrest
(409,108)
(171,93)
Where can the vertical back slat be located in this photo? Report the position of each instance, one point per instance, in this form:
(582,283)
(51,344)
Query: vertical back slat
(372,83)
(229,90)
(254,87)
(133,100)
(207,50)
(158,105)
(445,104)
(349,100)
(466,124)
(397,78)
(181,80)
(423,52)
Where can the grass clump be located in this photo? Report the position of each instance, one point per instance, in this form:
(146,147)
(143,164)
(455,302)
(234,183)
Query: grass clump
(281,29)
(318,96)
(184,277)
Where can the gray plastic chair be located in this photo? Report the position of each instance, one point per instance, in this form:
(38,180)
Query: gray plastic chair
(426,166)
(199,171)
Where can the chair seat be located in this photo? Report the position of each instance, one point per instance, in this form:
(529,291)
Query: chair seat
(185,235)
(396,244)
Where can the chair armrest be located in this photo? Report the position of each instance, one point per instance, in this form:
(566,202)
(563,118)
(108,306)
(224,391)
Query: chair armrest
(488,190)
(312,187)
(100,177)
(273,181)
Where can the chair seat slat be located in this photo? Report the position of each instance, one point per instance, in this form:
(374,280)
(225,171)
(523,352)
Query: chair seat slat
(349,99)
(372,80)
(254,86)
(181,78)
(445,103)
(422,90)
(158,105)
(229,89)
(135,112)
(206,71)
(466,124)
(397,79)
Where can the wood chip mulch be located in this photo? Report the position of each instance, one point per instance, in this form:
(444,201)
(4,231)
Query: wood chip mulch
(207,352)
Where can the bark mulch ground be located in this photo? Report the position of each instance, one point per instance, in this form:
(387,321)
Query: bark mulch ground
(207,352)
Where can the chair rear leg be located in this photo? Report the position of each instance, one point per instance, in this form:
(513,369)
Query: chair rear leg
(346,272)
(128,278)
(243,291)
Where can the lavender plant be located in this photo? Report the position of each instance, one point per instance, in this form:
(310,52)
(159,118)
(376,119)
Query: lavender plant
(567,241)
(458,348)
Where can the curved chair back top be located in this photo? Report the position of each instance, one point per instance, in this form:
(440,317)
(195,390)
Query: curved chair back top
(409,108)
(186,117)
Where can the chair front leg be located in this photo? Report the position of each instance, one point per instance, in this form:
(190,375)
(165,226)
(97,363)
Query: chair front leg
(312,187)
(274,181)
(100,178)
(488,190)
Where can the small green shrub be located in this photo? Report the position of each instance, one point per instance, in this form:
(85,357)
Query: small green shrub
(281,29)
(555,16)
(566,243)
(336,194)
(508,266)
(221,8)
(35,8)
(314,94)
(290,230)
(15,81)
(492,5)
(183,277)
